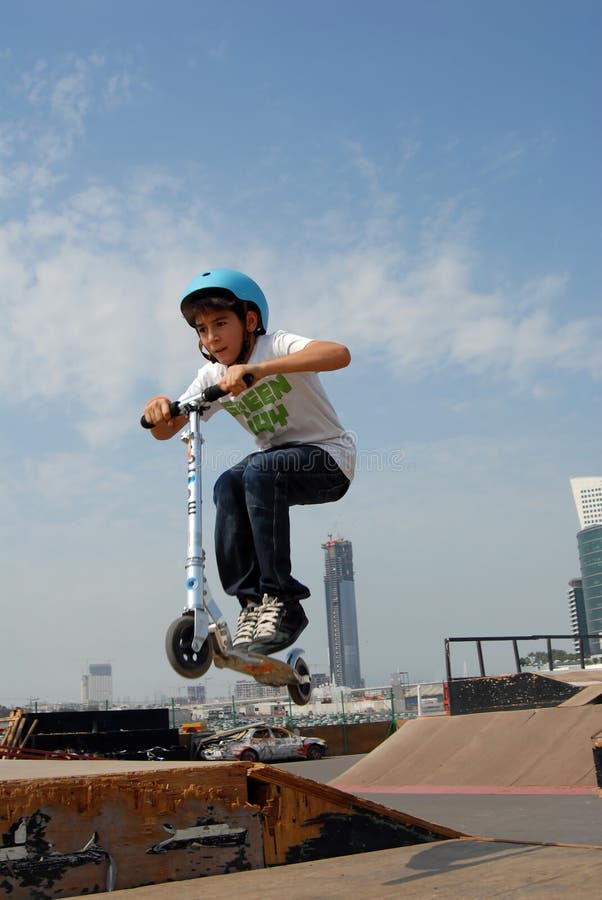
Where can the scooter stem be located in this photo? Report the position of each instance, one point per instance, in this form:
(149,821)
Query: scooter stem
(195,560)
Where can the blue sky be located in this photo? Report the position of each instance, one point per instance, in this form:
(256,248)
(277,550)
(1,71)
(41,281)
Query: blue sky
(418,180)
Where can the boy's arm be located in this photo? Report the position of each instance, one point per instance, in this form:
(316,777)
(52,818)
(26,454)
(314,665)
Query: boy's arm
(317,356)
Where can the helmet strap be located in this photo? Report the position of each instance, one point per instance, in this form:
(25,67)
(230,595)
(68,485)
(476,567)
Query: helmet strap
(246,346)
(206,354)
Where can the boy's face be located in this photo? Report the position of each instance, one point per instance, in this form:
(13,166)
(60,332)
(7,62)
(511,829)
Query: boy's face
(221,333)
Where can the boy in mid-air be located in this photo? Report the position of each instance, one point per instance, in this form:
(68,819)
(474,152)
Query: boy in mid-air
(304,454)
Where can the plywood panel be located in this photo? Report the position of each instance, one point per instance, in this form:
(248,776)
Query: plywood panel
(306,821)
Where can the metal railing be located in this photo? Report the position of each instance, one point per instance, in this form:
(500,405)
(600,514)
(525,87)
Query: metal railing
(514,639)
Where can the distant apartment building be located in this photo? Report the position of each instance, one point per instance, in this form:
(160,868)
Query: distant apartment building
(196,693)
(577,614)
(341,616)
(587,494)
(251,690)
(97,685)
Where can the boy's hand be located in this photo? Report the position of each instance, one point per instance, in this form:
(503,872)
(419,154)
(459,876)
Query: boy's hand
(157,411)
(232,380)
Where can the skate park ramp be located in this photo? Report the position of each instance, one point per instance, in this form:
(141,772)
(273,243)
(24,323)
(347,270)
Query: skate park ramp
(586,696)
(521,750)
(149,832)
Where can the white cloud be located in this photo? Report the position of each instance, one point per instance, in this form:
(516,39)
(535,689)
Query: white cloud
(94,288)
(507,153)
(34,83)
(59,98)
(70,96)
(422,314)
(409,148)
(122,86)
(93,282)
(118,90)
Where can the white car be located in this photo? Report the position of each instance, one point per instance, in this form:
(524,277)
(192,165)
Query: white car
(265,743)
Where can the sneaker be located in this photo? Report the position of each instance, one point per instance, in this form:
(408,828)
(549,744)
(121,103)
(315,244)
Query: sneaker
(279,624)
(245,627)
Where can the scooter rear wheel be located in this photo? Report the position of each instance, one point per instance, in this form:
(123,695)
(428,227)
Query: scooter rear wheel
(182,658)
(300,693)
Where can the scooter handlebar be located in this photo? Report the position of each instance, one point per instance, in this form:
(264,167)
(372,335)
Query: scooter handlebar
(210,395)
(214,391)
(174,409)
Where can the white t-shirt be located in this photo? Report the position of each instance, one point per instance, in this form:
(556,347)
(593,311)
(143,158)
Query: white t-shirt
(282,409)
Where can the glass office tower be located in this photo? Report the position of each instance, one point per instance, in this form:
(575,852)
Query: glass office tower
(587,494)
(589,542)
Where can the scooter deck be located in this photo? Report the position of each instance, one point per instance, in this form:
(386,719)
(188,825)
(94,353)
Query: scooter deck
(264,669)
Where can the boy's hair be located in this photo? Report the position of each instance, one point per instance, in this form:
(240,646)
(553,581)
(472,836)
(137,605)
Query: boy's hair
(218,300)
(213,303)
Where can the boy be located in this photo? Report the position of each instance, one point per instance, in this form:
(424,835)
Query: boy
(305,456)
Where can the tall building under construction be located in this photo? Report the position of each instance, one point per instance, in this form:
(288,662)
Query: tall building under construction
(341,617)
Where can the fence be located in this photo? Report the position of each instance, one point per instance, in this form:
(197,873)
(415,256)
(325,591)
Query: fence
(514,639)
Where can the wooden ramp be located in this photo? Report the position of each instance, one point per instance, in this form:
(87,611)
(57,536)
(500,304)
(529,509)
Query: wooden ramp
(529,748)
(447,870)
(589,695)
(78,827)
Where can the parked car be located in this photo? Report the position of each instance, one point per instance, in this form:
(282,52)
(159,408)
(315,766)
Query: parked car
(259,742)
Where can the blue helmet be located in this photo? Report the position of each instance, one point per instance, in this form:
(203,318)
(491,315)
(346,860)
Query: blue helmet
(240,286)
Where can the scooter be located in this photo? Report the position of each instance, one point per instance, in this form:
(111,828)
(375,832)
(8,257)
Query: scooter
(201,635)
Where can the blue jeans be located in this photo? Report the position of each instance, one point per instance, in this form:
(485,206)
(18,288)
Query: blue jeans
(252,528)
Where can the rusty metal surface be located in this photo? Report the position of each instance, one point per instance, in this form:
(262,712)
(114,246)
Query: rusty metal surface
(525,690)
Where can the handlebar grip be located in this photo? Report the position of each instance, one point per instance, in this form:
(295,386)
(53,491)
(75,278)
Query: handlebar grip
(214,391)
(174,409)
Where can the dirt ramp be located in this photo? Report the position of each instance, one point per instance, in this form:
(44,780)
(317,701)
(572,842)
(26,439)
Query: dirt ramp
(538,747)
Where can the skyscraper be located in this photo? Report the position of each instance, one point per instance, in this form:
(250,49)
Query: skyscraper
(341,617)
(577,613)
(587,493)
(97,684)
(589,542)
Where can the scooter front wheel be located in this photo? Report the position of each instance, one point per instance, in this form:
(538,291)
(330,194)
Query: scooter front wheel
(182,658)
